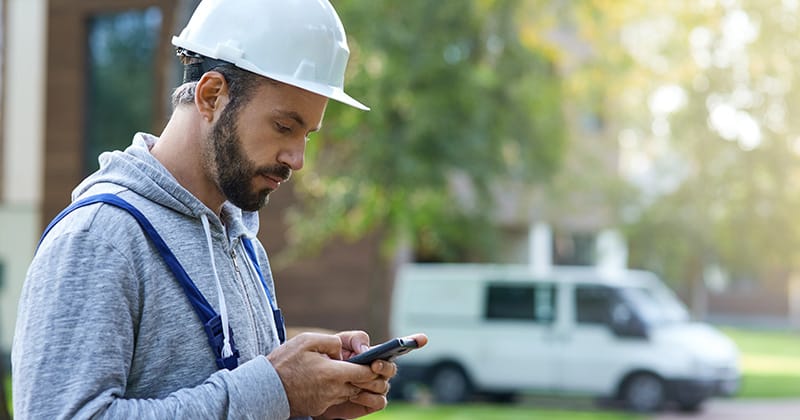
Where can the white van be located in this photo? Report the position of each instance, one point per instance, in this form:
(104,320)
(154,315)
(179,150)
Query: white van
(502,330)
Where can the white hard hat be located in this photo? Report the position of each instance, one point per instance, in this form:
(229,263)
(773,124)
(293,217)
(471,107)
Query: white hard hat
(297,42)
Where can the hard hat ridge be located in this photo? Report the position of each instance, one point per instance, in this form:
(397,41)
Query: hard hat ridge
(297,42)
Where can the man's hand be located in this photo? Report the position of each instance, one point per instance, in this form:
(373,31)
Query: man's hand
(315,377)
(372,397)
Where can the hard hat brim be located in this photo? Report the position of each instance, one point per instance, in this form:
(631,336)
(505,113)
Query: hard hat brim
(330,92)
(348,100)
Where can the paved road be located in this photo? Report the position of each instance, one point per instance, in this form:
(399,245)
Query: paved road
(715,409)
(741,410)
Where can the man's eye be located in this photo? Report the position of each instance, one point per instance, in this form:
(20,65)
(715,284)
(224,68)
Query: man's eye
(282,128)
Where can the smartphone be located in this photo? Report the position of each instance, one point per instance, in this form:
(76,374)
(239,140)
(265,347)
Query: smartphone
(385,351)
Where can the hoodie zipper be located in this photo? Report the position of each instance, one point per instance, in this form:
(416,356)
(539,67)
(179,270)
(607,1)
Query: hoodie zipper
(246,298)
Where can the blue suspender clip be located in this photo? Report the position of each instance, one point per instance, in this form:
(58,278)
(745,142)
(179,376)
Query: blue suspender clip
(216,339)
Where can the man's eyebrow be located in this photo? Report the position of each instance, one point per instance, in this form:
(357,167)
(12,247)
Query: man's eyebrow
(298,119)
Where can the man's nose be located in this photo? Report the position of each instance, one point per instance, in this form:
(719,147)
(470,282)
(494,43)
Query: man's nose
(293,156)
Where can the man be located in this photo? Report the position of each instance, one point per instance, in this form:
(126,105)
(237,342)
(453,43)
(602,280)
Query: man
(153,299)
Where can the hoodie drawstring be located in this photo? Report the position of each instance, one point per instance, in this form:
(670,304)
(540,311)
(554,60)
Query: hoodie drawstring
(223,309)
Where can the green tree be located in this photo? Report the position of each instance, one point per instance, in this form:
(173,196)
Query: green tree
(457,100)
(702,92)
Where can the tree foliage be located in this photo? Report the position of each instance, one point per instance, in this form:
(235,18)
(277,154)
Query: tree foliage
(458,103)
(702,99)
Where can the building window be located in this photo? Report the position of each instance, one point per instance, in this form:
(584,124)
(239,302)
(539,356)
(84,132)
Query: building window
(521,302)
(574,249)
(121,79)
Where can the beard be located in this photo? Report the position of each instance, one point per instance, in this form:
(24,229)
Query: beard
(234,171)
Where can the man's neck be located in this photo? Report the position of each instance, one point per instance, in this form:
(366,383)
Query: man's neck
(179,149)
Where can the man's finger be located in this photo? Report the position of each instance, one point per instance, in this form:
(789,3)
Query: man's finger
(373,402)
(356,341)
(378,386)
(321,343)
(384,368)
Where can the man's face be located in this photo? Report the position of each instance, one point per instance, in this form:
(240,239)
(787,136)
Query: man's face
(258,145)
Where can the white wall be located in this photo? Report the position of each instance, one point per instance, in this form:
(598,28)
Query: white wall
(24,53)
(20,230)
(540,248)
(612,251)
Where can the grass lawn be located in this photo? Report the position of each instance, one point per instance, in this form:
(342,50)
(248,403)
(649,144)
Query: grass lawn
(402,411)
(7,383)
(770,362)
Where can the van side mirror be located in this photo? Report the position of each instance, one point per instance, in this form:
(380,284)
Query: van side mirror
(625,323)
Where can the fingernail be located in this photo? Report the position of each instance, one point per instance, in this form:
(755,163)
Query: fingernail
(380,365)
(364,348)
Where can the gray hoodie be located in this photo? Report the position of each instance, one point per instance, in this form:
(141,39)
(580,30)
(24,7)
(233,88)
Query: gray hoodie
(105,331)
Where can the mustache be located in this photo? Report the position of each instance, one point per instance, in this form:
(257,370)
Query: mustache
(277,171)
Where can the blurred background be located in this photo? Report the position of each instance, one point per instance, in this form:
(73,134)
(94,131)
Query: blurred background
(652,135)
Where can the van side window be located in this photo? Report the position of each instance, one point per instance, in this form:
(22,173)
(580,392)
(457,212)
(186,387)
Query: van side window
(521,302)
(593,305)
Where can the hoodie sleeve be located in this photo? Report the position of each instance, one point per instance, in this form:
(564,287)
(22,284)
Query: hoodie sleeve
(75,337)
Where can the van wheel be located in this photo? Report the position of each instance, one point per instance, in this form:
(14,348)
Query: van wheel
(450,385)
(644,392)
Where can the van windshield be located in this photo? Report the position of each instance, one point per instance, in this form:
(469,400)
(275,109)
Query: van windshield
(655,305)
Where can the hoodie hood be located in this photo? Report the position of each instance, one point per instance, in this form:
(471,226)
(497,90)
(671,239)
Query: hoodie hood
(138,170)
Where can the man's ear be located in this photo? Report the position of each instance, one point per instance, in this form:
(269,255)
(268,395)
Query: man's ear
(211,94)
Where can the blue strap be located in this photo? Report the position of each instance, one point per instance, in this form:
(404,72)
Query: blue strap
(277,315)
(212,322)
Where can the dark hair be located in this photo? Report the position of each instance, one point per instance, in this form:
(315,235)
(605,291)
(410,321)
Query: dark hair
(241,84)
